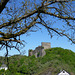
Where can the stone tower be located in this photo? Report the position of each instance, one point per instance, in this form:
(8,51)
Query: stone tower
(46,45)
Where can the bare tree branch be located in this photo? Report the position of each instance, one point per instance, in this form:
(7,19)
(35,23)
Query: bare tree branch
(2,4)
(61,17)
(14,24)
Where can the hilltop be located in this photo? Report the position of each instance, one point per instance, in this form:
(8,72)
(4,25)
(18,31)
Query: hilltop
(56,59)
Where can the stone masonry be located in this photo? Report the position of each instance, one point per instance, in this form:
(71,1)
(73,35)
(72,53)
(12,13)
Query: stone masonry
(40,50)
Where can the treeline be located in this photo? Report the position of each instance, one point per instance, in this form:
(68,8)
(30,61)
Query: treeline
(56,59)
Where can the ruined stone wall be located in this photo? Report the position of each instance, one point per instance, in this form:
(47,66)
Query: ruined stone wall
(40,50)
(43,52)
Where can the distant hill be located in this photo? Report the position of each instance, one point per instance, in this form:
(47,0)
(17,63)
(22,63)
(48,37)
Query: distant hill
(56,59)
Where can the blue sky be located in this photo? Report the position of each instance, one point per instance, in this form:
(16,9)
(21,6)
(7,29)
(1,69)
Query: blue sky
(35,38)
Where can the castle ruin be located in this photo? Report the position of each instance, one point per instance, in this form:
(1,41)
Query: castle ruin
(40,50)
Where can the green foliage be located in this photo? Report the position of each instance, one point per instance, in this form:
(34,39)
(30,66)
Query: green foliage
(2,71)
(56,59)
(30,50)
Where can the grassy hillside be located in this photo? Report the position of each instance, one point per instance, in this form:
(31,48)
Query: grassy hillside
(56,59)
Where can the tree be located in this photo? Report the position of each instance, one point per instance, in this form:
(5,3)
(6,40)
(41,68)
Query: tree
(20,17)
(2,4)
